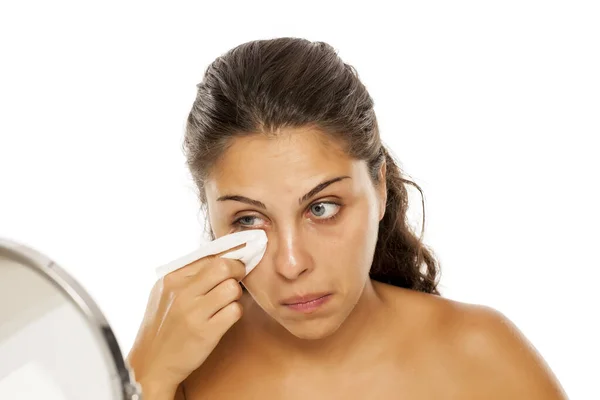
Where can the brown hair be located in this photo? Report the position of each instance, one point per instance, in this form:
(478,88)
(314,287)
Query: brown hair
(265,85)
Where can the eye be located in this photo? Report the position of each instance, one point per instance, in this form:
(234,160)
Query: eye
(247,221)
(324,210)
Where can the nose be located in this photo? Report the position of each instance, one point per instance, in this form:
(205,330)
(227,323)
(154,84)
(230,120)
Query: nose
(290,254)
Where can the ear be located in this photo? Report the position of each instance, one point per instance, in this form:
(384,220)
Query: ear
(382,189)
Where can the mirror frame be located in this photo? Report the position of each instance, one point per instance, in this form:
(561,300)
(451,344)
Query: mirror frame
(59,278)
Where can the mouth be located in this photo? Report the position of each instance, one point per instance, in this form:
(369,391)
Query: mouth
(307,303)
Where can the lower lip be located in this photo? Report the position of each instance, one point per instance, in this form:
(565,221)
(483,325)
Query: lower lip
(309,306)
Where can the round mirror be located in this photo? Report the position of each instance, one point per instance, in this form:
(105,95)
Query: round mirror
(55,344)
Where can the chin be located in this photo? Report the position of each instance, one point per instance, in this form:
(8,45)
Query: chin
(312,329)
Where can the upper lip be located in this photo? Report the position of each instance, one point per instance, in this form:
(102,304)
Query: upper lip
(303,298)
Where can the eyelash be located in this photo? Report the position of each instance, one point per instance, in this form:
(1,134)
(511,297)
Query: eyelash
(322,220)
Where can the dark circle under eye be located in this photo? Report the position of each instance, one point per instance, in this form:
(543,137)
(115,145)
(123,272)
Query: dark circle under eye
(318,209)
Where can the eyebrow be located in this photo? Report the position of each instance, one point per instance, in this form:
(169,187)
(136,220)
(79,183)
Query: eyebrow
(320,187)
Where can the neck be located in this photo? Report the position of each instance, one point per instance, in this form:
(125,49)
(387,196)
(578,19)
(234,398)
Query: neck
(354,333)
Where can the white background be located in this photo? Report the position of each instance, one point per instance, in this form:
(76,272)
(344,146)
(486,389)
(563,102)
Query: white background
(492,107)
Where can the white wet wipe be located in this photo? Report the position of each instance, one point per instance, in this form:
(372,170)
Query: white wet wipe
(250,255)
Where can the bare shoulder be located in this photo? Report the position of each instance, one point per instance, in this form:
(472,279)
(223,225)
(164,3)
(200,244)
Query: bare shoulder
(478,346)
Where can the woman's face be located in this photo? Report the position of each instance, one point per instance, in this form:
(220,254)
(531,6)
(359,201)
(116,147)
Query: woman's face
(320,210)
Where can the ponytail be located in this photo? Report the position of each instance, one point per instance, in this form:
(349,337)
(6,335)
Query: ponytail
(401,259)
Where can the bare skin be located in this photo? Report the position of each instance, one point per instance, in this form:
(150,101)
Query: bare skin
(320,210)
(417,346)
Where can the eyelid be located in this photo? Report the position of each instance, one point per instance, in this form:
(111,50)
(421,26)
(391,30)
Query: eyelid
(335,202)
(327,199)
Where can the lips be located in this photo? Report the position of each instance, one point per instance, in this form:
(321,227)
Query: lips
(303,299)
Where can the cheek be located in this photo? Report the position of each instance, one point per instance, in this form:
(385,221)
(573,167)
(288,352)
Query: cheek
(258,278)
(358,237)
(344,251)
(261,284)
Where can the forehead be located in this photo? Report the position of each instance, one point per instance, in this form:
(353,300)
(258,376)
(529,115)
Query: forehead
(291,156)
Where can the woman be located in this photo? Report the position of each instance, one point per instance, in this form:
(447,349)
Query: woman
(283,137)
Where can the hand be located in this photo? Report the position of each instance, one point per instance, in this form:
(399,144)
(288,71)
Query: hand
(188,312)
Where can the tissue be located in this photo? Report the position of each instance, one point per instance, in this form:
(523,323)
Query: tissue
(250,255)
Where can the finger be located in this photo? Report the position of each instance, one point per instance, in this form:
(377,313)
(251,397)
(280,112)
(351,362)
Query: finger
(219,271)
(197,266)
(225,318)
(205,274)
(218,298)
